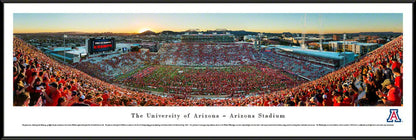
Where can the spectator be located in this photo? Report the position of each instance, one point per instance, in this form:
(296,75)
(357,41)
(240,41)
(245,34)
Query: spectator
(326,101)
(62,101)
(99,101)
(398,80)
(393,96)
(36,89)
(363,102)
(338,101)
(89,100)
(387,73)
(301,103)
(346,101)
(23,99)
(52,95)
(80,102)
(395,64)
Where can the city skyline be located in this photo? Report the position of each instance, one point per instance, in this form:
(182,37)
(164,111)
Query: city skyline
(257,22)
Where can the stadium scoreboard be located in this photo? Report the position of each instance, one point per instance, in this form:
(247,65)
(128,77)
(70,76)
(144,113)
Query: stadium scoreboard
(96,45)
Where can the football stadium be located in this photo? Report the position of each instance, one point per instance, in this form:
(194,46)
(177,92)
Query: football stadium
(206,70)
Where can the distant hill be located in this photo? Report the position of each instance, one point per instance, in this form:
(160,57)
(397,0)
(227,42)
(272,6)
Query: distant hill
(148,32)
(237,33)
(169,33)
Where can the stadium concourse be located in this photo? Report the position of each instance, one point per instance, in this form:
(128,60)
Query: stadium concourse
(375,79)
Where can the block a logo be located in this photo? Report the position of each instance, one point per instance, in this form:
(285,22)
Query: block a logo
(394,116)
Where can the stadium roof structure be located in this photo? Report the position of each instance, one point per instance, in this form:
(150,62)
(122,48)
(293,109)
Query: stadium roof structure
(79,50)
(341,42)
(354,42)
(125,45)
(316,53)
(59,49)
(60,56)
(322,43)
(366,44)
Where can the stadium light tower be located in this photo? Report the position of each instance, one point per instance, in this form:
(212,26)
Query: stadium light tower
(303,46)
(321,35)
(343,43)
(343,47)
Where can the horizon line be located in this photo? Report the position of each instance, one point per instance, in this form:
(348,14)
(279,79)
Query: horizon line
(206,31)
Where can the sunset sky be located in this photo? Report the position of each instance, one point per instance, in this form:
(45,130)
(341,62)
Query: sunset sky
(257,22)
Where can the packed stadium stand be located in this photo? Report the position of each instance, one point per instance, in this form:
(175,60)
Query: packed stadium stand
(207,54)
(374,80)
(110,67)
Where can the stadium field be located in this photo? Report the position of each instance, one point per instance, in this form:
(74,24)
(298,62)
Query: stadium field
(232,80)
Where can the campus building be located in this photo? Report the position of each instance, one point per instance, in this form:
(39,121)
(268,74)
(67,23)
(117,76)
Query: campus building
(353,46)
(214,38)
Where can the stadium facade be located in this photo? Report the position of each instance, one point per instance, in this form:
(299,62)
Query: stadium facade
(329,59)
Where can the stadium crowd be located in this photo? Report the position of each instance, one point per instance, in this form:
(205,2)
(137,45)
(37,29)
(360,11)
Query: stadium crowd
(376,79)
(298,64)
(110,68)
(207,54)
(232,81)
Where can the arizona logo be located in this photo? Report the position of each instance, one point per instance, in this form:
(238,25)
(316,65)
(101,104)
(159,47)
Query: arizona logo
(394,116)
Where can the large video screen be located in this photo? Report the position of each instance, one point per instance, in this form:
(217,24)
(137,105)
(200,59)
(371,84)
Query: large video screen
(99,45)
